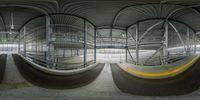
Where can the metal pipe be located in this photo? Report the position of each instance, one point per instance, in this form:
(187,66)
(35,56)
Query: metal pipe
(95,42)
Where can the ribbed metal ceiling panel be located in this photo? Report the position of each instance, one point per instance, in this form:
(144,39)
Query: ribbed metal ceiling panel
(103,12)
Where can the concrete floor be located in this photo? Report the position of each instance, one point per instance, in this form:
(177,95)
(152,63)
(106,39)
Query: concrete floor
(12,74)
(103,88)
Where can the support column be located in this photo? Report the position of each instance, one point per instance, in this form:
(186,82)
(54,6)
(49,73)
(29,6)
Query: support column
(85,43)
(25,41)
(95,45)
(166,37)
(126,47)
(136,43)
(188,42)
(195,43)
(19,44)
(36,43)
(48,38)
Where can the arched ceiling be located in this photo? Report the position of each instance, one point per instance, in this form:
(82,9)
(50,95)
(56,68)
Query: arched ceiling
(104,13)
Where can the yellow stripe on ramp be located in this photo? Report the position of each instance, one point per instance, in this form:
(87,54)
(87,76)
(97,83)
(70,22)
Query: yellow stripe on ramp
(164,73)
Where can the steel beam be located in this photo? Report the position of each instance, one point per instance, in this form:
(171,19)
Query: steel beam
(165,43)
(146,43)
(131,56)
(156,52)
(166,37)
(149,29)
(131,36)
(178,34)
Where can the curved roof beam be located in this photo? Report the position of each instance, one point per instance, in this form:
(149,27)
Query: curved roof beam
(3,21)
(173,20)
(25,6)
(67,4)
(74,16)
(56,3)
(121,10)
(55,14)
(35,2)
(182,8)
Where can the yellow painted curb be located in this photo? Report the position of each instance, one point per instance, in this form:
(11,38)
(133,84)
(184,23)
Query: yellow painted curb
(164,73)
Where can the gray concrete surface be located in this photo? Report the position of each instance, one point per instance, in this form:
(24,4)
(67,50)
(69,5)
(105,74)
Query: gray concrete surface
(12,78)
(102,88)
(12,74)
(104,82)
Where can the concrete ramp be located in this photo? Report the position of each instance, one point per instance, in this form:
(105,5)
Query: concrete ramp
(42,79)
(184,83)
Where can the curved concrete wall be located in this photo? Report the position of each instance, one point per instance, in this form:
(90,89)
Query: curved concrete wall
(58,72)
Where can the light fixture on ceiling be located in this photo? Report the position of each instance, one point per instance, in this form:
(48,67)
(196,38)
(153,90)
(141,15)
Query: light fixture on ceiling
(12,23)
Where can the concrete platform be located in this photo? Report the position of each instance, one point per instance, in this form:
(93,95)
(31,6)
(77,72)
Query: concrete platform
(2,66)
(12,74)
